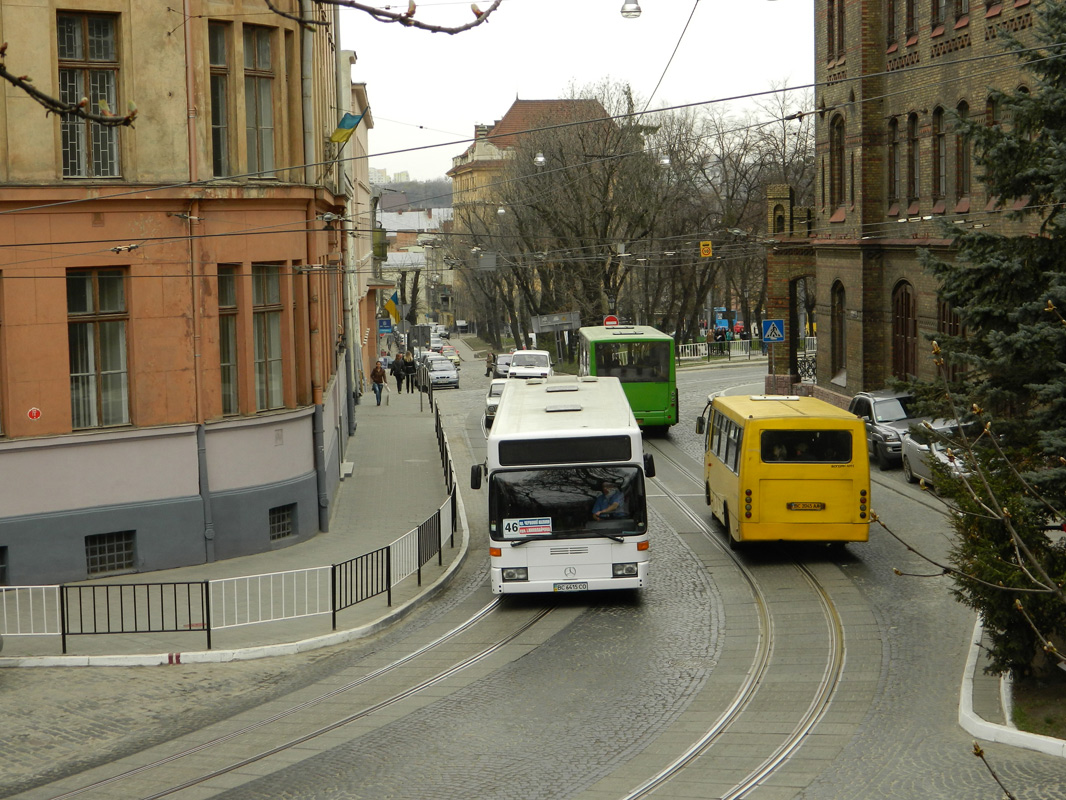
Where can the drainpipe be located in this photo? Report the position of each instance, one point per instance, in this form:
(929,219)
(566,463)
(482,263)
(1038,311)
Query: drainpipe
(306,79)
(318,422)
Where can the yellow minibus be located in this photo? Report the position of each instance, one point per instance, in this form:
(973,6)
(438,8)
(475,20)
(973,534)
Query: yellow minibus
(785,468)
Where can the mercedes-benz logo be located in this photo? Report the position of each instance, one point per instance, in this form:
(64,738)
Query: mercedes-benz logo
(570,572)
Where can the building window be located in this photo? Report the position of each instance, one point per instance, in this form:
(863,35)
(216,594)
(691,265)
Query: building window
(107,553)
(962,8)
(890,20)
(227,338)
(948,324)
(282,522)
(904,332)
(3,565)
(266,302)
(830,28)
(909,27)
(1,352)
(836,162)
(894,173)
(940,12)
(259,99)
(88,68)
(940,156)
(992,112)
(962,154)
(840,28)
(218,54)
(838,342)
(914,159)
(96,328)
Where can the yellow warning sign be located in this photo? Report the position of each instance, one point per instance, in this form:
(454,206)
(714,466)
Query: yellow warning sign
(705,250)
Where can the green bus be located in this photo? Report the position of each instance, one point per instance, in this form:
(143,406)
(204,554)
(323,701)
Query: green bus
(642,358)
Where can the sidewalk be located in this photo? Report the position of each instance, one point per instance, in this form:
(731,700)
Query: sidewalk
(396,483)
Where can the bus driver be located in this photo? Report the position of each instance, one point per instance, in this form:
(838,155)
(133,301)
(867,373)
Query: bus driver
(609,505)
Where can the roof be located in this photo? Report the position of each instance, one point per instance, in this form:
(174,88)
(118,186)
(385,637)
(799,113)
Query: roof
(624,333)
(532,408)
(782,407)
(525,115)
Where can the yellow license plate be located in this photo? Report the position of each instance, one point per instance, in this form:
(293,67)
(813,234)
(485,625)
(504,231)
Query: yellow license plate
(806,506)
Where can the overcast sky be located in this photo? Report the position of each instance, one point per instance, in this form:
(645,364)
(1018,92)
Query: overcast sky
(431,88)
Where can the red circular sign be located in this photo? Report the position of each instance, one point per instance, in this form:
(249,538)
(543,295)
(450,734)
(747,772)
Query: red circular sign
(34,413)
(610,320)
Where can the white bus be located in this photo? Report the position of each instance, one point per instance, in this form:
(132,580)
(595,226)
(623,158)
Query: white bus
(565,475)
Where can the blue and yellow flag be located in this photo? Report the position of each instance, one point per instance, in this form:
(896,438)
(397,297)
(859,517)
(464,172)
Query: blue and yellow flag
(345,128)
(392,305)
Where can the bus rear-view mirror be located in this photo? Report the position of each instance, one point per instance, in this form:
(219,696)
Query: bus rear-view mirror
(475,476)
(649,465)
(700,425)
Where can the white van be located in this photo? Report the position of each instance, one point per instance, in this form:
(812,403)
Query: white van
(530,364)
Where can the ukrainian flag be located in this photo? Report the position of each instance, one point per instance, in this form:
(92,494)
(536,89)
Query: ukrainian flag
(345,128)
(392,305)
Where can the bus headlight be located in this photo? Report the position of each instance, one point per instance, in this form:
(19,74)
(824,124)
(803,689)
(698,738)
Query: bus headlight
(515,574)
(627,570)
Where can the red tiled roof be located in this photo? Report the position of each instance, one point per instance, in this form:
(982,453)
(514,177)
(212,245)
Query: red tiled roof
(524,115)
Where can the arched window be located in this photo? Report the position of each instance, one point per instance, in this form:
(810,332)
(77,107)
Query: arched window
(904,332)
(948,324)
(940,156)
(838,341)
(962,154)
(779,218)
(992,112)
(894,173)
(914,159)
(836,162)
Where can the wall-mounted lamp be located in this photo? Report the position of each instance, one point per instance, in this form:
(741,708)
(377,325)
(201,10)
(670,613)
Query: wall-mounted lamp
(630,9)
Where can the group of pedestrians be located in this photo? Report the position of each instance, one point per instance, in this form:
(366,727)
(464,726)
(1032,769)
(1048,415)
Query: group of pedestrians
(402,368)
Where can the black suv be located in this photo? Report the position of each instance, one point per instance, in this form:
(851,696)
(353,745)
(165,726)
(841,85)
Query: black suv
(888,415)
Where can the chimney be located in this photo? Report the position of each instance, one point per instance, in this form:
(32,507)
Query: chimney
(481,131)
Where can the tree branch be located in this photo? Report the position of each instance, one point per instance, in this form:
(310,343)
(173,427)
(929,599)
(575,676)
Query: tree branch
(54,106)
(407,18)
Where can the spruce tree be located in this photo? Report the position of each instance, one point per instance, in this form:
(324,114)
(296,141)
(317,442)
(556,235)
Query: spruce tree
(1009,292)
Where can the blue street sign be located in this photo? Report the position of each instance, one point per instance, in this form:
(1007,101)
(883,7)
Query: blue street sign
(773,330)
(384,326)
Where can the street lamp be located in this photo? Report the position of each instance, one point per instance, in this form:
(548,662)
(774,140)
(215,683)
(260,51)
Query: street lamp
(630,9)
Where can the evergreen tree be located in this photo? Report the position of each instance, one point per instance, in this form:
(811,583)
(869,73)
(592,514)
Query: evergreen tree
(1012,358)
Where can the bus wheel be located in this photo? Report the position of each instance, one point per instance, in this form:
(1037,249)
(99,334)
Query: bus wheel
(733,543)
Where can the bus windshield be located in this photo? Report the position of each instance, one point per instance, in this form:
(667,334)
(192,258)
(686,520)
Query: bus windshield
(566,502)
(633,362)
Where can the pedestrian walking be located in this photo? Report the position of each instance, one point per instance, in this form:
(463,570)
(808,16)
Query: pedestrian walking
(377,380)
(490,364)
(398,373)
(409,368)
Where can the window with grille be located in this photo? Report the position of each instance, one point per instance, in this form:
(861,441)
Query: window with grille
(218,55)
(96,332)
(962,154)
(914,159)
(110,552)
(940,156)
(282,521)
(88,68)
(894,173)
(266,311)
(836,162)
(259,99)
(227,338)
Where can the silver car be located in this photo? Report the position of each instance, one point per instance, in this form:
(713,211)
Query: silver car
(442,373)
(492,399)
(928,444)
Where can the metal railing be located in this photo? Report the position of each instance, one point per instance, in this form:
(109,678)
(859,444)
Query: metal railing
(206,606)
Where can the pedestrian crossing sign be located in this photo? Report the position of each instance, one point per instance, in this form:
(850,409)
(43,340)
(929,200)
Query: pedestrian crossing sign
(773,330)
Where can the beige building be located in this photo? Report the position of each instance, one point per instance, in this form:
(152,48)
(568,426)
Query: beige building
(173,313)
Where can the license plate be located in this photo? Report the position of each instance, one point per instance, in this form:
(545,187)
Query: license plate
(572,587)
(806,506)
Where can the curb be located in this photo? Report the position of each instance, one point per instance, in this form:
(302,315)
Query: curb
(271,650)
(990,731)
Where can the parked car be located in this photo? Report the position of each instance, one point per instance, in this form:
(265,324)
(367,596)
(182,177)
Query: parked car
(423,361)
(503,365)
(492,399)
(530,364)
(442,373)
(435,343)
(451,354)
(888,416)
(924,446)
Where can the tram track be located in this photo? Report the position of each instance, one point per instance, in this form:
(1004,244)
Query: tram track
(762,662)
(286,719)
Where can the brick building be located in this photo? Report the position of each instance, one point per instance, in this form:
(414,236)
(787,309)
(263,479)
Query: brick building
(172,325)
(892,75)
